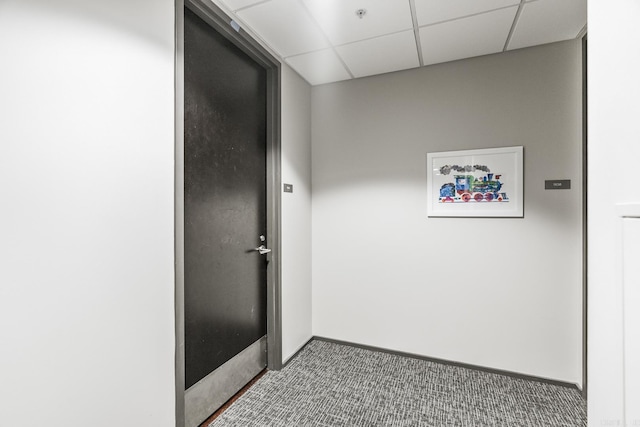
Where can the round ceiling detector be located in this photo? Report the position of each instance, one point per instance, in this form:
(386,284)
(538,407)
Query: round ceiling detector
(361,12)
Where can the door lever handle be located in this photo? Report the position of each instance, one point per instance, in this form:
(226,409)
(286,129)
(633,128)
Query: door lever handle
(262,249)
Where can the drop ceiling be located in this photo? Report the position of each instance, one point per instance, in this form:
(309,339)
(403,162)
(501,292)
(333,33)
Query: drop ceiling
(327,41)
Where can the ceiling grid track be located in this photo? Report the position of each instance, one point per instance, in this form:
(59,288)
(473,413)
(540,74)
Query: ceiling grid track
(326,38)
(364,39)
(344,64)
(240,9)
(442,31)
(513,26)
(471,15)
(416,31)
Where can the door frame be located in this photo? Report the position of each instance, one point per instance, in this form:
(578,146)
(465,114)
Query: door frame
(585,195)
(221,22)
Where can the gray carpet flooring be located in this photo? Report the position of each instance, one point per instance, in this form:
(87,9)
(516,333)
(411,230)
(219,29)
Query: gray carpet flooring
(328,384)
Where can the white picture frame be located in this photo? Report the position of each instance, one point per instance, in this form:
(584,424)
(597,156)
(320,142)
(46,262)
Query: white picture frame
(476,183)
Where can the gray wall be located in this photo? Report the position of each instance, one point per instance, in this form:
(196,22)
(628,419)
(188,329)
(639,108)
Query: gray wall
(296,212)
(500,293)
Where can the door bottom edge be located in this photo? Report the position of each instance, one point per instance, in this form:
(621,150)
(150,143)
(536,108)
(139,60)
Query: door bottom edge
(207,395)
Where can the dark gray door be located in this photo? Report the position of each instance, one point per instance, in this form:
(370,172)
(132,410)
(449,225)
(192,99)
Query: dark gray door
(225,215)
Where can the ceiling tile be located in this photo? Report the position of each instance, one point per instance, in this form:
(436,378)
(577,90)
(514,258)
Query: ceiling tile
(381,55)
(285,26)
(239,4)
(547,21)
(319,67)
(432,11)
(339,21)
(464,38)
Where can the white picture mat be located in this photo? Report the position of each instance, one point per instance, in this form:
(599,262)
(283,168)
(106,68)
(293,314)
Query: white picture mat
(506,162)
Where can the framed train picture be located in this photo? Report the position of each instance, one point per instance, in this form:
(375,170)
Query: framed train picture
(475,183)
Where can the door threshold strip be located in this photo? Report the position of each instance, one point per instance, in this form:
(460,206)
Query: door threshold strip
(235,397)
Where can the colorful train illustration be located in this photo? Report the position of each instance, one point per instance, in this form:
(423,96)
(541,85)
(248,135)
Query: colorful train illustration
(467,188)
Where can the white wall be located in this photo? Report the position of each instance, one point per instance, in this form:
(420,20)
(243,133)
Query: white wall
(499,293)
(296,212)
(614,151)
(86,217)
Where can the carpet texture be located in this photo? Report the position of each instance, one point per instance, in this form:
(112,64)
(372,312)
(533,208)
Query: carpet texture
(329,384)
